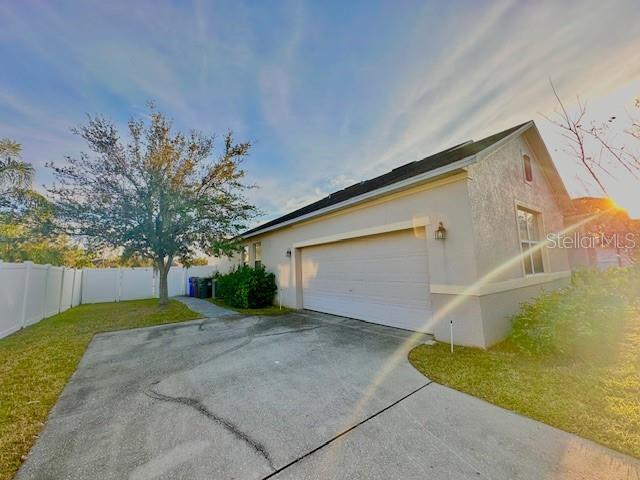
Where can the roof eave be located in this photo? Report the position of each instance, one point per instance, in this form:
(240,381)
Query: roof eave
(365,197)
(401,185)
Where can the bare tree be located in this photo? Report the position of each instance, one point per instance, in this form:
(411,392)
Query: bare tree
(592,144)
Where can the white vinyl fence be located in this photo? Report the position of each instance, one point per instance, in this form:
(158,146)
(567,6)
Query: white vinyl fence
(31,292)
(116,284)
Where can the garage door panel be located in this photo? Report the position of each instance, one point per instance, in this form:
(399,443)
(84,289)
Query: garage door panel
(356,257)
(402,268)
(382,279)
(398,298)
(331,283)
(406,316)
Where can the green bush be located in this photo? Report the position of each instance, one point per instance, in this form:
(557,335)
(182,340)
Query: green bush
(247,287)
(583,320)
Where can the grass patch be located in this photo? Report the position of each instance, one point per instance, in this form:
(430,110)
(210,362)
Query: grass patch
(595,402)
(270,311)
(592,393)
(36,363)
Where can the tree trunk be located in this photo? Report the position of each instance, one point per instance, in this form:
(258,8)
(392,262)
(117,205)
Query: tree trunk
(163,272)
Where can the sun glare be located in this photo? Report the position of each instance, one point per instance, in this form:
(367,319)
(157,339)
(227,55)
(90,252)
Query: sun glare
(627,199)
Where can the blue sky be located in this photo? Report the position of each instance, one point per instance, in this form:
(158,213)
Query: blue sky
(331,92)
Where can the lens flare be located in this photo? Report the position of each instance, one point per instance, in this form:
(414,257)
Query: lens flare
(402,351)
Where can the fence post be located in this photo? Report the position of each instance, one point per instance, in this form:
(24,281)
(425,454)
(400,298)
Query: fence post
(184,280)
(61,290)
(81,286)
(73,287)
(24,293)
(118,284)
(46,288)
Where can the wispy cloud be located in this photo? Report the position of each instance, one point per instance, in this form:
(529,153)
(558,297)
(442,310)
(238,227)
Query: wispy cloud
(332,93)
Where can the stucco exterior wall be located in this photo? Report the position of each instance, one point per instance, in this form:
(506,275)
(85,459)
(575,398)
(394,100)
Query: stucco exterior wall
(476,276)
(444,200)
(465,312)
(496,186)
(498,308)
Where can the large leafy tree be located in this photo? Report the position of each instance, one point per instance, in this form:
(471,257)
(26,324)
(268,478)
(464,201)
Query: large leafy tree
(160,195)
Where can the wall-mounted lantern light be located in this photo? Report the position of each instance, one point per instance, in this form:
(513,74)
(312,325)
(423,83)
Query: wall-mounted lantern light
(441,232)
(288,254)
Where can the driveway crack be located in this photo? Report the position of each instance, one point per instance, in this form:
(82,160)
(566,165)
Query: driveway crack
(198,406)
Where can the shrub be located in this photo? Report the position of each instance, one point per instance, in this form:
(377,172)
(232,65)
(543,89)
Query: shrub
(246,287)
(583,320)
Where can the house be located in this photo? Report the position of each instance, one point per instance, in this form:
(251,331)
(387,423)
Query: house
(437,245)
(605,235)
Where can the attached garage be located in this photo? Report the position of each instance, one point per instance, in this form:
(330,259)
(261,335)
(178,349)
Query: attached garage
(374,250)
(380,278)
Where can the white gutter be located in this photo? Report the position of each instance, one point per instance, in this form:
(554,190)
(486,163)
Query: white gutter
(401,185)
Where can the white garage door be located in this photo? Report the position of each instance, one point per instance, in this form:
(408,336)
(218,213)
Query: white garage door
(381,279)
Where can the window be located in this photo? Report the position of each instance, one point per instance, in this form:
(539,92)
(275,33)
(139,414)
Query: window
(530,237)
(257,254)
(528,172)
(245,255)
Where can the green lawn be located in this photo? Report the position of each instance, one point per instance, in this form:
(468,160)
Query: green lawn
(36,363)
(596,400)
(270,311)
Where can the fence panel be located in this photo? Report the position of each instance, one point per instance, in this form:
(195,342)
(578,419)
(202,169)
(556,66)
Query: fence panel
(66,294)
(201,271)
(36,291)
(29,292)
(12,282)
(136,283)
(100,285)
(54,289)
(76,295)
(176,281)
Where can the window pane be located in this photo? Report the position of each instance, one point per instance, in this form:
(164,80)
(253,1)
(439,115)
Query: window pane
(529,237)
(526,259)
(537,261)
(257,252)
(522,225)
(532,221)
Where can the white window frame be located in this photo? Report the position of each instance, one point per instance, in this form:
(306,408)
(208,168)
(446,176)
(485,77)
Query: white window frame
(257,254)
(537,216)
(245,255)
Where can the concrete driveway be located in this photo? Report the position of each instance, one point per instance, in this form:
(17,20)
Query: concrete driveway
(304,395)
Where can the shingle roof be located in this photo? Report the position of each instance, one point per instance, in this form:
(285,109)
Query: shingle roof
(403,172)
